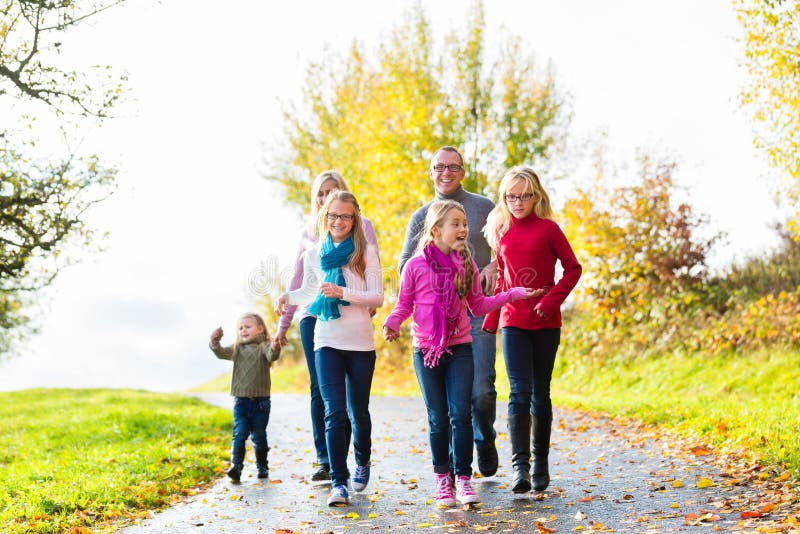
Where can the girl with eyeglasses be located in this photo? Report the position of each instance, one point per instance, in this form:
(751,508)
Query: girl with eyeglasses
(439,284)
(527,243)
(323,184)
(342,281)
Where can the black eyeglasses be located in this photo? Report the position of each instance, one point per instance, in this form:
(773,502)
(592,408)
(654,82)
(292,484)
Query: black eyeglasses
(523,197)
(346,217)
(452,168)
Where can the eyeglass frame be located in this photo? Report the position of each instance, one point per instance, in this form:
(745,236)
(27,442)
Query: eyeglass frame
(524,197)
(346,217)
(444,168)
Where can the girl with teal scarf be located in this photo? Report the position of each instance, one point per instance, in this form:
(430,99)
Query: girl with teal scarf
(341,282)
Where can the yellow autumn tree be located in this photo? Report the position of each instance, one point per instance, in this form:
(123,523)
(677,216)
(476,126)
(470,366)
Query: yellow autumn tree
(771,43)
(644,259)
(378,114)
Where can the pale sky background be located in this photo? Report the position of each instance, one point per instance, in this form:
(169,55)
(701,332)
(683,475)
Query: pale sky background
(193,218)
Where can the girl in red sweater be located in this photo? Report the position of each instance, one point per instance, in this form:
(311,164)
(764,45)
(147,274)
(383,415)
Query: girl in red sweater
(528,243)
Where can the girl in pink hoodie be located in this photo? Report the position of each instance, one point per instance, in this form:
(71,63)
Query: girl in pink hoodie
(438,285)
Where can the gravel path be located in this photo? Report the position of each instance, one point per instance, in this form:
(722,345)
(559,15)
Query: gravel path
(606,476)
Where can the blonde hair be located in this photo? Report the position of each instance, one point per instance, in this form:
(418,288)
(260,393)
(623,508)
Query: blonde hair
(259,321)
(357,263)
(316,185)
(499,219)
(434,218)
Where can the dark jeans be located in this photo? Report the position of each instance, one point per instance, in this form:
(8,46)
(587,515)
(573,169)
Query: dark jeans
(484,394)
(345,380)
(250,418)
(530,356)
(307,325)
(447,390)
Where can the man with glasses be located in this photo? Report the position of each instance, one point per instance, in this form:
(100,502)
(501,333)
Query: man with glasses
(447,173)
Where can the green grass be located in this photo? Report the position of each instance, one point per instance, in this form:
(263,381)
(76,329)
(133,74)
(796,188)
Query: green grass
(742,401)
(72,458)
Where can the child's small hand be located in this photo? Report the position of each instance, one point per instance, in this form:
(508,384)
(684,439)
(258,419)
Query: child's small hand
(216,335)
(389,334)
(280,304)
(531,293)
(280,338)
(275,345)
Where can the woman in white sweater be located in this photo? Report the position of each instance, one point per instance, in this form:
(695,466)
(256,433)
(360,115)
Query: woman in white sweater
(341,282)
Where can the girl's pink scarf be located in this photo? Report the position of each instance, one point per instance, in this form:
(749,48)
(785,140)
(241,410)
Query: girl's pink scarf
(447,307)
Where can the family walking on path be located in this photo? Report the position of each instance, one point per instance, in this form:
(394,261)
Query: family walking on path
(469,268)
(449,282)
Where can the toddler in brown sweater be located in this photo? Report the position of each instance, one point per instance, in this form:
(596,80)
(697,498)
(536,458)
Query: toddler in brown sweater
(252,354)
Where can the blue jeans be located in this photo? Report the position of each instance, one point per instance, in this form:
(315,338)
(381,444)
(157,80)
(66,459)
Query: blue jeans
(484,394)
(345,380)
(530,356)
(250,418)
(447,389)
(307,325)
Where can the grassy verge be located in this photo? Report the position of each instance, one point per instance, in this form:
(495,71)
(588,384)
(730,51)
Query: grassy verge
(86,458)
(747,402)
(732,400)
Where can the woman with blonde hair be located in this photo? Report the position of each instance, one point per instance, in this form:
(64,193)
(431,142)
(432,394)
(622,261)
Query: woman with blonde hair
(342,281)
(527,243)
(321,187)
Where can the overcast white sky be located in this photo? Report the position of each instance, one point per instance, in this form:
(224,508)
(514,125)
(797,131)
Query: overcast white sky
(193,218)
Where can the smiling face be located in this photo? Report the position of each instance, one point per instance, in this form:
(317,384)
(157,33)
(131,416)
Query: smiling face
(452,233)
(446,182)
(338,226)
(249,328)
(519,199)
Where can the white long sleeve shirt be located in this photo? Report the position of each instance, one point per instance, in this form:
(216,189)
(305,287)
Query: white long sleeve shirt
(353,330)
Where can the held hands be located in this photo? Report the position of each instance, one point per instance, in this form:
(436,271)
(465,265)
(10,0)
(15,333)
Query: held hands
(216,335)
(275,344)
(389,334)
(280,338)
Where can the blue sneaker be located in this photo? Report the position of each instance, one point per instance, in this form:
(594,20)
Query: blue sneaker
(338,495)
(361,477)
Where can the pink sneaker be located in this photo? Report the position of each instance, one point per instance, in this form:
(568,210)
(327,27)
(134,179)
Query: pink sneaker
(444,490)
(464,492)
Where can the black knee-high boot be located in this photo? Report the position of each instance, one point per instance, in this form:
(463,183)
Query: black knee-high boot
(519,429)
(542,426)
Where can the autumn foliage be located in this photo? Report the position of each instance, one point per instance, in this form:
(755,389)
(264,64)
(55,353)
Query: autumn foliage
(647,289)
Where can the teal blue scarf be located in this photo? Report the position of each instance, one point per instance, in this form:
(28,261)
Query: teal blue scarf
(331,259)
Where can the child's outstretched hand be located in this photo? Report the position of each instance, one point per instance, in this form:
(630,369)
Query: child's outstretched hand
(531,293)
(389,334)
(526,293)
(216,335)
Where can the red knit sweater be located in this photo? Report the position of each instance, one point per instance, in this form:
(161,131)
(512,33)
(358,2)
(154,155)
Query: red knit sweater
(526,256)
